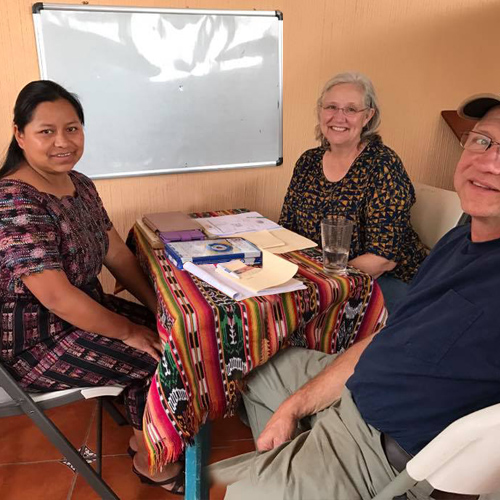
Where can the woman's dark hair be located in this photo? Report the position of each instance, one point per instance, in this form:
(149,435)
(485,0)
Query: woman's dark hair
(27,101)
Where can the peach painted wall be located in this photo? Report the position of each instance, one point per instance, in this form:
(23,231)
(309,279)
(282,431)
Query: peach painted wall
(423,56)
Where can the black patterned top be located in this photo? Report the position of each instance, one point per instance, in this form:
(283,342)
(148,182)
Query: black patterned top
(39,231)
(376,193)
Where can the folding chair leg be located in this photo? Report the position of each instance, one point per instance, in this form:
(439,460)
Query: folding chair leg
(70,453)
(99,437)
(196,487)
(114,412)
(397,487)
(57,438)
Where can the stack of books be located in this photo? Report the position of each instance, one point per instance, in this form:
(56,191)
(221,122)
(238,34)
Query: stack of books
(242,240)
(174,226)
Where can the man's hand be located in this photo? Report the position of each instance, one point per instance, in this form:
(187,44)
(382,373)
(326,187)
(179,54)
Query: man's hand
(282,427)
(311,398)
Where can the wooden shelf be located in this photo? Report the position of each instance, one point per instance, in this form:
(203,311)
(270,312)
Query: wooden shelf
(456,123)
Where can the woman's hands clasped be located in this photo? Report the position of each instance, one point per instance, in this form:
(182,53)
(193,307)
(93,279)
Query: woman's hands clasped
(142,338)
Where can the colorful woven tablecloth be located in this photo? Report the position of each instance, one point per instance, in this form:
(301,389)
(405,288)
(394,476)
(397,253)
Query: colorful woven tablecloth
(211,341)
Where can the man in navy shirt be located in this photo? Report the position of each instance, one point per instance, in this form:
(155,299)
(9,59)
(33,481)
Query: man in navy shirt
(368,410)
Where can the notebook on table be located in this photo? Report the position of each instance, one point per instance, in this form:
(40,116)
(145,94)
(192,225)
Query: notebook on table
(174,226)
(152,237)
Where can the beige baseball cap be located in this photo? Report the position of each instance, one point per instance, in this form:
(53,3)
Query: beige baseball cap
(476,106)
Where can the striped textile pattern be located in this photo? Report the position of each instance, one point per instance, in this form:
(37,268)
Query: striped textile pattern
(211,342)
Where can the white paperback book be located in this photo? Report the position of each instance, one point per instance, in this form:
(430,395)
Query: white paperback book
(232,288)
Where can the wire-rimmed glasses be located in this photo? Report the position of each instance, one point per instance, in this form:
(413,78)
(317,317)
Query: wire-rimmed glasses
(476,142)
(347,111)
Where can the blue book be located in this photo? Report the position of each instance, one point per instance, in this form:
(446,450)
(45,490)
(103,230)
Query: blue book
(213,251)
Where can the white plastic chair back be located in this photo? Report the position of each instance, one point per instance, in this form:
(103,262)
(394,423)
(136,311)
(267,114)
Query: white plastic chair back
(465,457)
(435,212)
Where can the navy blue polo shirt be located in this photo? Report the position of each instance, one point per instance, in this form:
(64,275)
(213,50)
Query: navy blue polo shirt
(438,358)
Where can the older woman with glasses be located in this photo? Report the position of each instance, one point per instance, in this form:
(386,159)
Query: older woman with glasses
(353,174)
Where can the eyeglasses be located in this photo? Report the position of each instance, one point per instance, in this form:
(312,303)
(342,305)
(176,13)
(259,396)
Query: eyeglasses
(348,111)
(476,142)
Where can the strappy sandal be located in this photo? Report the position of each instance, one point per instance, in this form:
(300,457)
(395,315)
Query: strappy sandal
(177,481)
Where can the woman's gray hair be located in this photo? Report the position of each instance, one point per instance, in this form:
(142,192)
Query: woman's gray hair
(370,130)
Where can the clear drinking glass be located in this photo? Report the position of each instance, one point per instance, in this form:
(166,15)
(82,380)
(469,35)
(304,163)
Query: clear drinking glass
(336,232)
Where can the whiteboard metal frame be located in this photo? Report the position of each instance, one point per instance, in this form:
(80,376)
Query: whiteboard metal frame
(38,6)
(153,10)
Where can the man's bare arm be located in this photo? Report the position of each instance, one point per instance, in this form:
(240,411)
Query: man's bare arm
(312,397)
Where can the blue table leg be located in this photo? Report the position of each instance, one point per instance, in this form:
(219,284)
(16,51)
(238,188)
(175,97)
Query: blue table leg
(197,487)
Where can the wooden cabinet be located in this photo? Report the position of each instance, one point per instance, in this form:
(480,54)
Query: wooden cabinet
(458,124)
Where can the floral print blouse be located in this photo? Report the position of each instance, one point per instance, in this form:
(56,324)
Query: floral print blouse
(376,193)
(40,231)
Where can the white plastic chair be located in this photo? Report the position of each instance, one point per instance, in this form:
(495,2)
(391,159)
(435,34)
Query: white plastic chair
(435,212)
(15,401)
(463,459)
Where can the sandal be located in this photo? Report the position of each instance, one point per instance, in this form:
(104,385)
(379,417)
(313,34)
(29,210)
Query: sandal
(177,481)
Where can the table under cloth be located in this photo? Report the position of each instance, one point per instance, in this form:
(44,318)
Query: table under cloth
(211,341)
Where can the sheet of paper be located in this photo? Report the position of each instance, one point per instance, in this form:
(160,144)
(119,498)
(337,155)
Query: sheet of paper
(265,240)
(278,240)
(292,241)
(274,272)
(232,289)
(229,225)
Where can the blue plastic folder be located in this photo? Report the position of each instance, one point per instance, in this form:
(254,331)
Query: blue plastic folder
(213,251)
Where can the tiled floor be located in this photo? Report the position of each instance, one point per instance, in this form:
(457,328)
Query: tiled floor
(30,467)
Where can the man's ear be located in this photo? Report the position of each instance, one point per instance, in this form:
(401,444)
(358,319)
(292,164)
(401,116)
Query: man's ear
(19,136)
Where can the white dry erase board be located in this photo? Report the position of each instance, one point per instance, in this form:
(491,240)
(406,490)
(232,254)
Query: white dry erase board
(168,90)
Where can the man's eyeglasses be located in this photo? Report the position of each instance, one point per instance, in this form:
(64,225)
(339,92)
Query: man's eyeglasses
(348,110)
(476,142)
